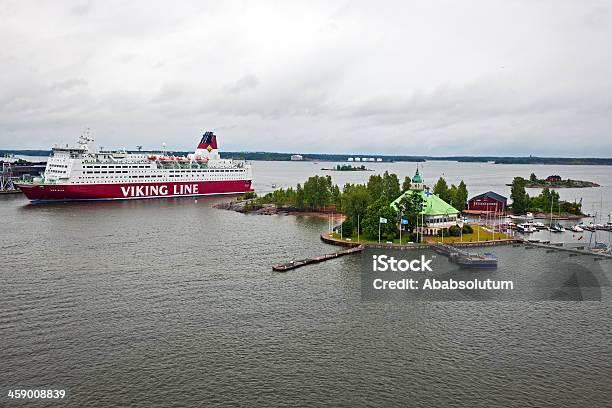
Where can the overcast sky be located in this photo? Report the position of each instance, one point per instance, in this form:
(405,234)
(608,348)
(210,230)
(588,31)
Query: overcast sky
(415,78)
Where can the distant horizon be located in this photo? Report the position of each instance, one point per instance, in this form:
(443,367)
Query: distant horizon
(353,155)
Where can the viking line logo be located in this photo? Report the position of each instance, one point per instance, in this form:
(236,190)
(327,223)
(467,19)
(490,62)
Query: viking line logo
(160,190)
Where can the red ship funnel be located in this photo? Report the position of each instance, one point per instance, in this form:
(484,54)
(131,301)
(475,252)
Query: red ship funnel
(208,139)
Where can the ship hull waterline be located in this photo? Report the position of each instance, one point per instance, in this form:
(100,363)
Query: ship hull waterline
(44,193)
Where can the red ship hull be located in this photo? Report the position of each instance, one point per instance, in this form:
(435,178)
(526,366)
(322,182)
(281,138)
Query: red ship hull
(131,191)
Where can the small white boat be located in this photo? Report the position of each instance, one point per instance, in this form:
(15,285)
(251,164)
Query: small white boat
(273,185)
(526,228)
(557,228)
(539,225)
(576,228)
(528,217)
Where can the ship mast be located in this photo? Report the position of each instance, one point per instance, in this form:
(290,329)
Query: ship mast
(84,139)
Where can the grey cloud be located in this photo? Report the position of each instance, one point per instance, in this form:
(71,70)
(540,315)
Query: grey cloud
(147,72)
(245,83)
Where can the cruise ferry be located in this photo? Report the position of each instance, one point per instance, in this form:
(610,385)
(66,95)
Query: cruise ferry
(82,173)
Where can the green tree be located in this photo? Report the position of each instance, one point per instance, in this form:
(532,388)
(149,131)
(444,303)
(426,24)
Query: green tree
(406,184)
(355,199)
(376,186)
(317,191)
(452,195)
(544,201)
(460,197)
(520,198)
(441,189)
(380,208)
(299,196)
(336,196)
(410,207)
(391,186)
(533,178)
(347,228)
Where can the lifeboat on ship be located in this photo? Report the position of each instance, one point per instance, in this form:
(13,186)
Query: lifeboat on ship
(152,158)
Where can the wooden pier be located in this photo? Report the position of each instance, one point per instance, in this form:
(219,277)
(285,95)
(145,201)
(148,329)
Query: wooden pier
(308,261)
(572,251)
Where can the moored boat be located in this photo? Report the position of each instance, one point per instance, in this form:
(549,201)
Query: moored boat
(526,228)
(484,261)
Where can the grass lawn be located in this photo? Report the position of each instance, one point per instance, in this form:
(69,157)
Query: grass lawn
(363,239)
(484,236)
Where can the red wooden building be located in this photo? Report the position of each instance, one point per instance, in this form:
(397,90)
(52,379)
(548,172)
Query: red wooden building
(488,202)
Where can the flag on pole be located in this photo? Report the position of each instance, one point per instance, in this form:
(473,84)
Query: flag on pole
(404,221)
(382,220)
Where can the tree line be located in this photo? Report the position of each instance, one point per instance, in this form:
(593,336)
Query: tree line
(364,204)
(546,201)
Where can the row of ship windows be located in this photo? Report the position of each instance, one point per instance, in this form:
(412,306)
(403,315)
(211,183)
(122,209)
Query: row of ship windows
(182,171)
(156,176)
(116,167)
(202,170)
(145,177)
(59,166)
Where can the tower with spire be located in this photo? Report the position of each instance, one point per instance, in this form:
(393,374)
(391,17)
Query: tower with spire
(417,181)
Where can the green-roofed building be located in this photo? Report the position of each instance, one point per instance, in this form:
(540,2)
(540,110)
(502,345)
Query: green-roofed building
(437,213)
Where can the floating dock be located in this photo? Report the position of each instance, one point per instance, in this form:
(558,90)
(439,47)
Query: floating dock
(308,261)
(572,251)
(465,259)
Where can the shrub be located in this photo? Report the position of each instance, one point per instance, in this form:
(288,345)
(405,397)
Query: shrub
(249,195)
(454,231)
(467,229)
(347,228)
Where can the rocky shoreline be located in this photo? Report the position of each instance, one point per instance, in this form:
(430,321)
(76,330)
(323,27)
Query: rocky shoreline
(560,184)
(248,207)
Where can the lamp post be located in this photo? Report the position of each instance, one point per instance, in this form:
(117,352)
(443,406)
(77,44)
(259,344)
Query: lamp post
(443,221)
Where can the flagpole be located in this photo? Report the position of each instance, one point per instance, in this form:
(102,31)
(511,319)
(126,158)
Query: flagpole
(400,226)
(379,229)
(417,228)
(357,228)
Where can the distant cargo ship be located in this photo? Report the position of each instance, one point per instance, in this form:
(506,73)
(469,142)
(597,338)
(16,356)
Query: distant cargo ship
(82,173)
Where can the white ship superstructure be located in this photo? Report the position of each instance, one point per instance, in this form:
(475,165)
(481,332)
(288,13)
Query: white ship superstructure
(72,172)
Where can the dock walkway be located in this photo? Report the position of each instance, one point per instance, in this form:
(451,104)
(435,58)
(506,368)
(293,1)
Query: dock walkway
(559,247)
(309,261)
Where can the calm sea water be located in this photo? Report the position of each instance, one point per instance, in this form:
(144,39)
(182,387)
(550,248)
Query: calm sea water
(173,303)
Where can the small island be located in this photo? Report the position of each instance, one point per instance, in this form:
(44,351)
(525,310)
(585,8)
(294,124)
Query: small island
(348,167)
(556,181)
